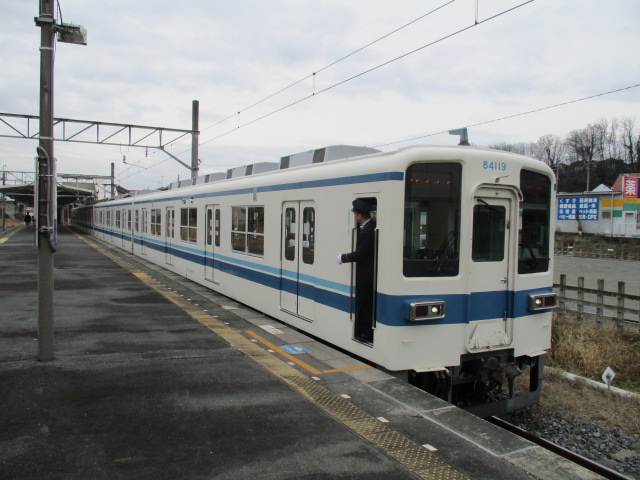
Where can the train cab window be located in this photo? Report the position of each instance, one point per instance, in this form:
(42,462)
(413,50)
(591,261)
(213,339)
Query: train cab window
(189,225)
(308,234)
(489,226)
(290,229)
(534,221)
(432,220)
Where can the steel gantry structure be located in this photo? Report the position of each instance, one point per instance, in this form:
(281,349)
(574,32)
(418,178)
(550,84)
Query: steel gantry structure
(107,133)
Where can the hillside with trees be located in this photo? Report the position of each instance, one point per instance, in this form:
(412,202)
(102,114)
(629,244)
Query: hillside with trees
(587,157)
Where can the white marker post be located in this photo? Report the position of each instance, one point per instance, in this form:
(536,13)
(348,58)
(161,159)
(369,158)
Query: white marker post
(607,378)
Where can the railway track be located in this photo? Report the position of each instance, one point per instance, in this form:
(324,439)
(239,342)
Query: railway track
(590,465)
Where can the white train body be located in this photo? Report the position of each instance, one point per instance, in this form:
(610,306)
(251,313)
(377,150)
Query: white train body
(464,264)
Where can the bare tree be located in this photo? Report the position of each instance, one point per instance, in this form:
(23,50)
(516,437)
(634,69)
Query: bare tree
(522,148)
(630,138)
(585,145)
(550,149)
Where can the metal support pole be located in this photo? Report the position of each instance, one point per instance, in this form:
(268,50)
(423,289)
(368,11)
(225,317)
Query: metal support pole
(195,121)
(4,199)
(43,219)
(113,181)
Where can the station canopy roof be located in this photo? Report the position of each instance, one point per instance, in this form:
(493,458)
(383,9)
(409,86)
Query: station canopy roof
(67,193)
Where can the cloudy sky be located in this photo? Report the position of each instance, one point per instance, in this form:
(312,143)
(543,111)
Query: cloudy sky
(147,60)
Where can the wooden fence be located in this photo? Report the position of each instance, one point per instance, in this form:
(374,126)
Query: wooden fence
(596,305)
(598,250)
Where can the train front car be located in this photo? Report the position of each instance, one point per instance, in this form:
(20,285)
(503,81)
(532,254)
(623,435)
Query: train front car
(473,306)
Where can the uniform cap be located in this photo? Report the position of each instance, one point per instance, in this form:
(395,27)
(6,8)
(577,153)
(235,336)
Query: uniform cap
(360,205)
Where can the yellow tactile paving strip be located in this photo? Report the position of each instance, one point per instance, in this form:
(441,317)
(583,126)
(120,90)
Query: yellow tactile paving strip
(8,235)
(411,455)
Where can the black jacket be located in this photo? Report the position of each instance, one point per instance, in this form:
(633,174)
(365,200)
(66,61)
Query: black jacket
(364,254)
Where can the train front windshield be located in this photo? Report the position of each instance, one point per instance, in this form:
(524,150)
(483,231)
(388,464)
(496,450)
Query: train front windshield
(432,220)
(533,244)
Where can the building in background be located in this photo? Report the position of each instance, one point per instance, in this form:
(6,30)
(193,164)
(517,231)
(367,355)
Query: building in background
(603,211)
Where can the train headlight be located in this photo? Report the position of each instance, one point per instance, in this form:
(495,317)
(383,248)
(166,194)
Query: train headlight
(542,301)
(420,311)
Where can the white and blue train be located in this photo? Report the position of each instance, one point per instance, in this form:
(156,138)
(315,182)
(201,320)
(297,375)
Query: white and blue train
(464,275)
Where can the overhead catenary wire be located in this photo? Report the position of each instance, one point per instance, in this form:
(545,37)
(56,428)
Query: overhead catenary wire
(485,122)
(507,117)
(395,59)
(335,62)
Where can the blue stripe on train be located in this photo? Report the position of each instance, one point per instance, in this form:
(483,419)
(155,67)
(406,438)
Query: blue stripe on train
(392,310)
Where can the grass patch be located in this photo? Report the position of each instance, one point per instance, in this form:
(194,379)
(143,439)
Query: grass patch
(588,351)
(587,403)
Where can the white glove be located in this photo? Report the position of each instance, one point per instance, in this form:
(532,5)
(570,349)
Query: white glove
(339,259)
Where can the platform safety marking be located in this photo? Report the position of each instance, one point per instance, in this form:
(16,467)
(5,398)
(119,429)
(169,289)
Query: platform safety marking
(394,444)
(9,235)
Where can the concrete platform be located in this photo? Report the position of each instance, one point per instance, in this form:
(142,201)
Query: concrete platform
(158,377)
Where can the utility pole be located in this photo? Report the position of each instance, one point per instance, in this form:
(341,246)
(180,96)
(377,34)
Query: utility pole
(113,180)
(45,202)
(44,181)
(195,121)
(4,198)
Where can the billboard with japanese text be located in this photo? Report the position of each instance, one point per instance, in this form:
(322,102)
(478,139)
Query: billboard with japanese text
(583,208)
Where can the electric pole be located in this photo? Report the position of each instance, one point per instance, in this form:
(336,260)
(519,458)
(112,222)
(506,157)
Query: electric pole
(46,191)
(44,180)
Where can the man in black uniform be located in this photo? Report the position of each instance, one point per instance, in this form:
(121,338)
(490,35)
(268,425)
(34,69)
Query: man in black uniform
(364,256)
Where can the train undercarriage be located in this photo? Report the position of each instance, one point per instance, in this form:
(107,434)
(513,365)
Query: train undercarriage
(486,384)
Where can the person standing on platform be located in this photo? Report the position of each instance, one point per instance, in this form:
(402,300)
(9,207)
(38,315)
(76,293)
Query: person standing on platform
(27,220)
(364,257)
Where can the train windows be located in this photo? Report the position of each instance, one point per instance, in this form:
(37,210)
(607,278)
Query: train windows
(171,221)
(217,227)
(137,221)
(239,229)
(247,230)
(209,227)
(432,220)
(489,223)
(290,229)
(255,238)
(156,219)
(213,225)
(189,225)
(535,214)
(129,220)
(308,234)
(117,218)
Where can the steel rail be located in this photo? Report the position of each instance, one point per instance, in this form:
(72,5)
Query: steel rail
(590,465)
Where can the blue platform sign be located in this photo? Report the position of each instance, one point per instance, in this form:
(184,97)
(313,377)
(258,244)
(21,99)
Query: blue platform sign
(583,208)
(294,349)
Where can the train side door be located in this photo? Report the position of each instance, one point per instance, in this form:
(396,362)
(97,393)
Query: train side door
(169,235)
(489,269)
(297,282)
(123,232)
(212,241)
